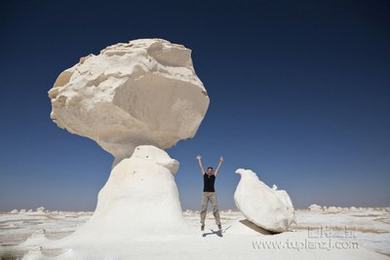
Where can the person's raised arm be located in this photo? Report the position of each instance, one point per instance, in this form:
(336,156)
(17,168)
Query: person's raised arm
(199,158)
(219,165)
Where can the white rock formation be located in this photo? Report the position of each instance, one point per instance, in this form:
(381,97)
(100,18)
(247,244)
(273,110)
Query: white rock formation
(34,253)
(35,239)
(142,92)
(141,95)
(332,209)
(140,199)
(267,208)
(315,208)
(40,209)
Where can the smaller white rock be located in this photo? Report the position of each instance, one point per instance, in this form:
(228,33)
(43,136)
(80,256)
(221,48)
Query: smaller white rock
(332,209)
(187,212)
(37,238)
(268,208)
(315,208)
(34,254)
(40,209)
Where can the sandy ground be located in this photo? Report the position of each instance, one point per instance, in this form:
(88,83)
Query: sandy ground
(362,233)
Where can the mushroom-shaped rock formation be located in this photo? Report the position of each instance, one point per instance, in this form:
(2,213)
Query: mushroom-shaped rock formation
(268,208)
(135,99)
(142,92)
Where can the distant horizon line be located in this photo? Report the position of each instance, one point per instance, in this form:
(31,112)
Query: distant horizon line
(31,210)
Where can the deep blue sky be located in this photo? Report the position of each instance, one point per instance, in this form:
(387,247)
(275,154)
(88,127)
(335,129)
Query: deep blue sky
(300,93)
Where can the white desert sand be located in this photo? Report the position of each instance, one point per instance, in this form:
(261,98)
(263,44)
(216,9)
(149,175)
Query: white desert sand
(367,228)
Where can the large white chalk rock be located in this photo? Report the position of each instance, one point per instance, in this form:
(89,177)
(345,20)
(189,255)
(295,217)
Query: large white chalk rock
(139,201)
(141,92)
(268,208)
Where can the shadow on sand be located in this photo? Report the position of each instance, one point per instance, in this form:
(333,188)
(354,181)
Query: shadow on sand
(257,228)
(216,232)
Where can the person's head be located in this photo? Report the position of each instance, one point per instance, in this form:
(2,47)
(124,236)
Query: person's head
(210,170)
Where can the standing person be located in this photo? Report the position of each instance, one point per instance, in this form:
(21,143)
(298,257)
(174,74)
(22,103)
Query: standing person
(209,192)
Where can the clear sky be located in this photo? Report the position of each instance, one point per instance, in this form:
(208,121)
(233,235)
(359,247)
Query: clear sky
(300,93)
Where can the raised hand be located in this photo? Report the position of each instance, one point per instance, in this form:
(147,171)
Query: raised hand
(200,164)
(219,165)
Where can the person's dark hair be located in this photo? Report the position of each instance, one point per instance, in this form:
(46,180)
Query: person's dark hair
(210,168)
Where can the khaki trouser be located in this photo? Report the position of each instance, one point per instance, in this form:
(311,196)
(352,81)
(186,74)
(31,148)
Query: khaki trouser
(212,197)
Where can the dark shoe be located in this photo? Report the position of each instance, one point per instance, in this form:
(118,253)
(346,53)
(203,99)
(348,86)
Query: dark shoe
(202,228)
(220,227)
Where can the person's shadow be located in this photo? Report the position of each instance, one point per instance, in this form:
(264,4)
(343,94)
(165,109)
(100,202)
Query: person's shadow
(217,232)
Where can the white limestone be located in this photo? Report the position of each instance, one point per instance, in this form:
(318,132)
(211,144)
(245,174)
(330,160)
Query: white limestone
(140,200)
(40,209)
(141,92)
(315,208)
(268,208)
(134,99)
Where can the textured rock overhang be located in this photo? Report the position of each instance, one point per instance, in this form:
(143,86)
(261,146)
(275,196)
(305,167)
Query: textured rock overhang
(142,92)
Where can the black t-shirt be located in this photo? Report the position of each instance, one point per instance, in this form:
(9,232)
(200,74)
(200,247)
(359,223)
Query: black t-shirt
(208,183)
